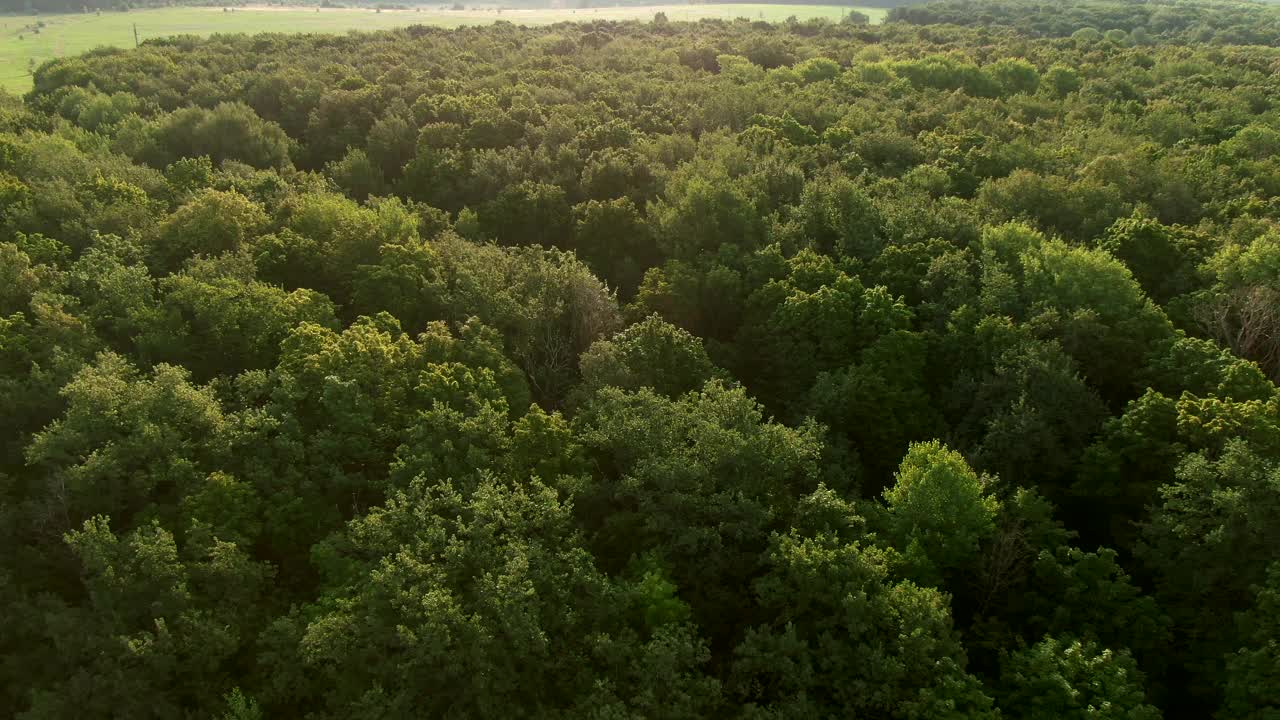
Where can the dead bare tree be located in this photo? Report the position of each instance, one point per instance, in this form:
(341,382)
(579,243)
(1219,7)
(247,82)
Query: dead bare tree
(1004,564)
(1247,321)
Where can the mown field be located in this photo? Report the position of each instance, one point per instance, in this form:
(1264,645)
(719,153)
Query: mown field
(21,48)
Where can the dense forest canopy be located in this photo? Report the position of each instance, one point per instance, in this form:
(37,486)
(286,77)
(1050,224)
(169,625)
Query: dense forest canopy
(663,370)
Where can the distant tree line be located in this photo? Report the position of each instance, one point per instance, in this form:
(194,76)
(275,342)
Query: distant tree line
(81,6)
(77,6)
(1235,23)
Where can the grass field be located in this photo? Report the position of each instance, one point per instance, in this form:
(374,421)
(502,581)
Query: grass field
(71,34)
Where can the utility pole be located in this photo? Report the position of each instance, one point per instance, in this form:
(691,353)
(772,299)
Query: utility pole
(135,34)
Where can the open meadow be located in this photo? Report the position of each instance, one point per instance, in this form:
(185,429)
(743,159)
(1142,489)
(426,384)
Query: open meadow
(21,48)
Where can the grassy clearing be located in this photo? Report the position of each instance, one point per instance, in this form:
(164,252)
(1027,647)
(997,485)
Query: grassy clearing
(71,34)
